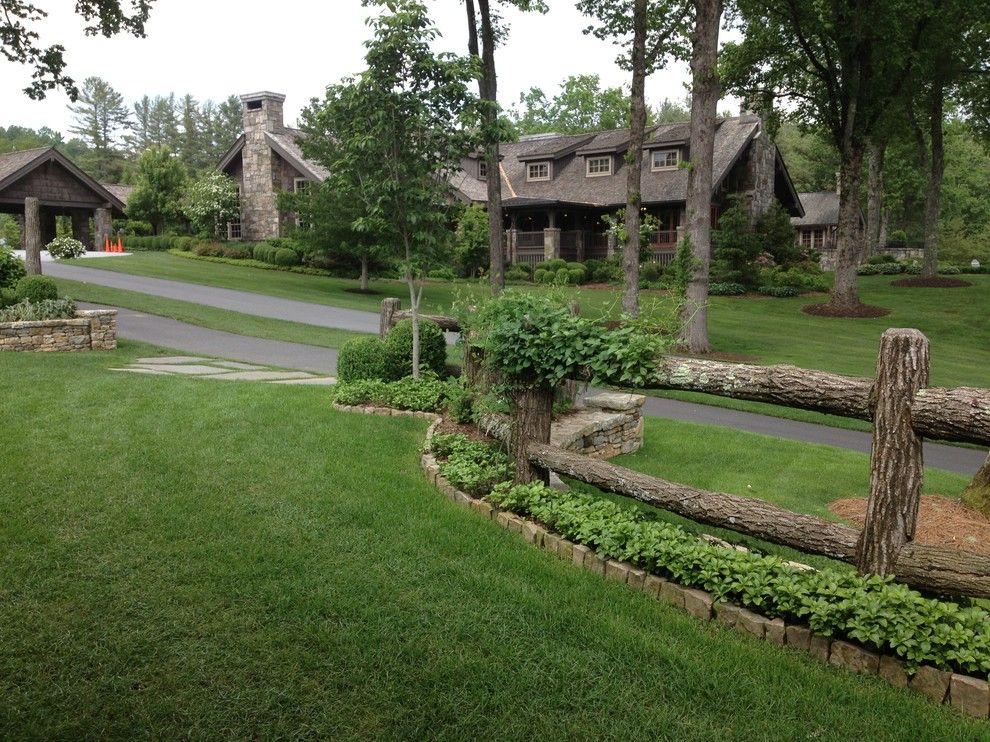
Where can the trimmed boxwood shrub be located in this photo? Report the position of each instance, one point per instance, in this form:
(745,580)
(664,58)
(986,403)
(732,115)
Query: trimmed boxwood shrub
(7,297)
(553,265)
(780,292)
(517,273)
(285,256)
(949,270)
(361,358)
(398,350)
(36,289)
(726,289)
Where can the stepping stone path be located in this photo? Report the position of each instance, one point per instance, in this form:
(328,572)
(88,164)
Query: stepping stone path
(212,368)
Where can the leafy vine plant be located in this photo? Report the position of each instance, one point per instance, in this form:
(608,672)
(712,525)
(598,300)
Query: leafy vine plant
(529,345)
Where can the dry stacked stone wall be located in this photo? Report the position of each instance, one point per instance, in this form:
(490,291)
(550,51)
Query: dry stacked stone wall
(610,424)
(88,330)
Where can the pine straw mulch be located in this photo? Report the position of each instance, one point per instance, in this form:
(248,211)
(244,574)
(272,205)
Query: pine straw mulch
(941,522)
(860,311)
(935,282)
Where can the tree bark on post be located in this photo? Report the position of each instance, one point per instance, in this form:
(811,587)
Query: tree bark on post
(389,308)
(634,161)
(704,103)
(532,417)
(896,461)
(32,236)
(845,290)
(977,493)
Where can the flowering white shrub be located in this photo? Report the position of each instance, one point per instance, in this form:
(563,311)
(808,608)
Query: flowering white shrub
(211,202)
(66,247)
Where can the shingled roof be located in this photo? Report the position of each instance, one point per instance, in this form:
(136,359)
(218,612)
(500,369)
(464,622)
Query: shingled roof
(821,208)
(570,185)
(286,143)
(14,166)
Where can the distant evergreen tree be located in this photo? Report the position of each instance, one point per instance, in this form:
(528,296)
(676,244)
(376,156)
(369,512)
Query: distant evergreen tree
(101,120)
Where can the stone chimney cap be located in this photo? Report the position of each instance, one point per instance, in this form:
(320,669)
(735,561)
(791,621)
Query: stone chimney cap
(263,95)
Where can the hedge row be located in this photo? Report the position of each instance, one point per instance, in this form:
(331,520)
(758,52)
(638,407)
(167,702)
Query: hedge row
(252,263)
(134,243)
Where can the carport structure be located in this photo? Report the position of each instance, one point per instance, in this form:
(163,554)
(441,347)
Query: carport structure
(38,185)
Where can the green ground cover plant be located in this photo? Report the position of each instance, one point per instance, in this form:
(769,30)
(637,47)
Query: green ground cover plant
(292,560)
(27,311)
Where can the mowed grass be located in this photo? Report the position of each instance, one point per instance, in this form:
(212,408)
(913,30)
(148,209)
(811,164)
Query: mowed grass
(768,330)
(181,558)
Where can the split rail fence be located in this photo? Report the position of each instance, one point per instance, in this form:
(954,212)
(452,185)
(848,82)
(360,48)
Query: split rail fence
(903,409)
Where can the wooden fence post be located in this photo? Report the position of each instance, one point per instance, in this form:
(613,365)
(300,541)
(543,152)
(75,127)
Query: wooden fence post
(389,308)
(896,462)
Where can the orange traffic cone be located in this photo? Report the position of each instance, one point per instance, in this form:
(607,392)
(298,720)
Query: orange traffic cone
(106,245)
(120,244)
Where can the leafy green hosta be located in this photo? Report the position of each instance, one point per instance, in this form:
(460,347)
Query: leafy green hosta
(874,611)
(425,394)
(469,465)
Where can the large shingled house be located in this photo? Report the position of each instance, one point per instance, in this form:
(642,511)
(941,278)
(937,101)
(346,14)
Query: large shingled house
(817,229)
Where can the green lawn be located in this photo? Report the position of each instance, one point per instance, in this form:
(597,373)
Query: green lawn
(182,558)
(770,330)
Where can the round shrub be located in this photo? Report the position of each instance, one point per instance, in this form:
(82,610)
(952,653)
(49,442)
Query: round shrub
(553,265)
(726,289)
(361,358)
(7,297)
(870,269)
(562,277)
(542,275)
(607,273)
(65,247)
(36,289)
(650,271)
(398,350)
(11,268)
(443,274)
(515,273)
(260,251)
(285,256)
(948,270)
(890,269)
(578,274)
(780,292)
(184,243)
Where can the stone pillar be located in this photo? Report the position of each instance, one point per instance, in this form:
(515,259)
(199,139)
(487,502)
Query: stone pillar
(104,226)
(551,243)
(32,236)
(80,228)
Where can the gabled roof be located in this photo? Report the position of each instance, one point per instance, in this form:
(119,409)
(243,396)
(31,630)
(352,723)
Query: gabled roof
(821,208)
(286,143)
(16,165)
(569,184)
(121,191)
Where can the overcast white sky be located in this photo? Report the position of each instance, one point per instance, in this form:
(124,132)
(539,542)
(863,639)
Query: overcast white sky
(214,48)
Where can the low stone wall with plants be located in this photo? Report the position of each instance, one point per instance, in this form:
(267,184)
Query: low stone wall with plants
(840,619)
(88,330)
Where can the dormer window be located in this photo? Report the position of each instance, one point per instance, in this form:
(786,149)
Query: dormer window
(482,169)
(665,159)
(596,166)
(538,171)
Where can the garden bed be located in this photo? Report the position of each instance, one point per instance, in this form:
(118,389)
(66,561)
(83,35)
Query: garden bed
(935,282)
(860,311)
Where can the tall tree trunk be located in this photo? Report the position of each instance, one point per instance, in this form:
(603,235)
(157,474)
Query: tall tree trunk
(874,202)
(704,102)
(634,161)
(364,272)
(933,191)
(488,92)
(845,291)
(414,298)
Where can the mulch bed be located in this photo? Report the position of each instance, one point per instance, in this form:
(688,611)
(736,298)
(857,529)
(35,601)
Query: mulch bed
(941,522)
(466,429)
(860,311)
(935,282)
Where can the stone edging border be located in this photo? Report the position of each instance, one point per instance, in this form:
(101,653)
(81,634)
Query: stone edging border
(964,693)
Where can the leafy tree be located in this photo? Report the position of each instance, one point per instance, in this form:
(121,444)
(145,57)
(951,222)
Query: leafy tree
(471,241)
(649,32)
(581,105)
(482,40)
(844,66)
(161,183)
(101,118)
(210,203)
(397,128)
(19,21)
(672,112)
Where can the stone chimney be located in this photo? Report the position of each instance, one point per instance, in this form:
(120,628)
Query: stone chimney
(259,198)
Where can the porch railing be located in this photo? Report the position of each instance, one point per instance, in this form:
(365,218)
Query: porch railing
(595,246)
(569,245)
(529,239)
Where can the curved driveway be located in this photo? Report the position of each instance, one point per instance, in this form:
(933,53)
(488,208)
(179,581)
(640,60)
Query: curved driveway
(191,338)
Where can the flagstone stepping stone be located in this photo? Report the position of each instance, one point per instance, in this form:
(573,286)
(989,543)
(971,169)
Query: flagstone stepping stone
(237,365)
(170,360)
(262,375)
(187,369)
(317,381)
(149,371)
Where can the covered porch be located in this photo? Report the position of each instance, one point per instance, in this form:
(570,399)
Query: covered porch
(536,232)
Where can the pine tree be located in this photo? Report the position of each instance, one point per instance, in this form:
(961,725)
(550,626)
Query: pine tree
(101,121)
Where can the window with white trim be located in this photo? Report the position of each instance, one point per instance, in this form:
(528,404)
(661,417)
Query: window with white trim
(482,169)
(538,171)
(665,159)
(299,185)
(601,165)
(234,228)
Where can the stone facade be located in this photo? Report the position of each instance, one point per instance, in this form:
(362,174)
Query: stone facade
(609,425)
(88,330)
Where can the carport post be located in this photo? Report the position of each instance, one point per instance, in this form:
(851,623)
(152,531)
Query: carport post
(103,227)
(32,236)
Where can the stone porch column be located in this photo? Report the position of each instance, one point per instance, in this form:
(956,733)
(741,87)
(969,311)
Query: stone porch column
(551,243)
(80,228)
(32,236)
(103,227)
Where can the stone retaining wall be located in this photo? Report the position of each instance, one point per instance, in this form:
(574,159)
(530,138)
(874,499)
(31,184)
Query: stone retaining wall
(966,694)
(610,424)
(89,330)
